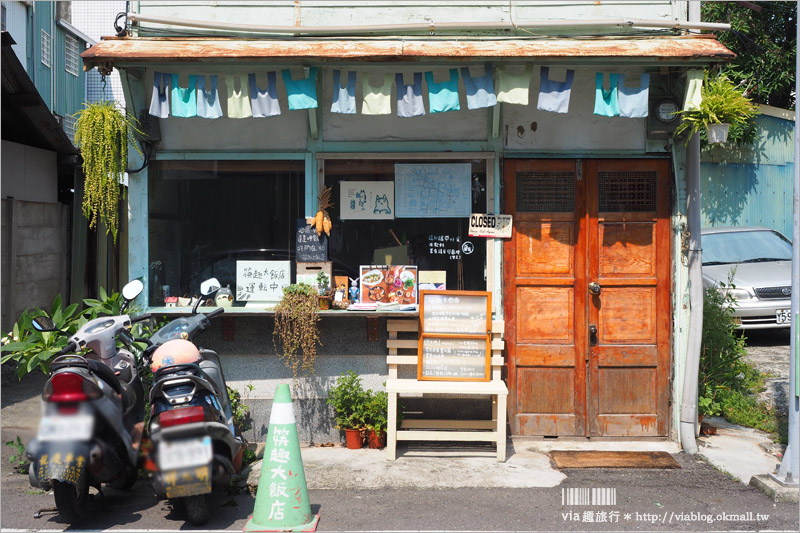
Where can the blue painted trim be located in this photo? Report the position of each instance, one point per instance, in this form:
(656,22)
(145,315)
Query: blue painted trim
(311,185)
(583,155)
(405,146)
(239,156)
(138,238)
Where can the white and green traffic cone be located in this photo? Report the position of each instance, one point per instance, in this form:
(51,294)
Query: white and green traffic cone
(282,499)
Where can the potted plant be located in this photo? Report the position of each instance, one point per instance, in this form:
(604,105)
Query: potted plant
(102,133)
(376,418)
(348,399)
(324,290)
(725,112)
(297,328)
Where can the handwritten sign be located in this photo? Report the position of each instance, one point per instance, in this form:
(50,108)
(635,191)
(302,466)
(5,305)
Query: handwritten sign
(446,246)
(366,200)
(433,190)
(261,281)
(310,247)
(455,336)
(494,226)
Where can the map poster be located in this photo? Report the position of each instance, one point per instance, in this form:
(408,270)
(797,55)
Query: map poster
(433,190)
(366,200)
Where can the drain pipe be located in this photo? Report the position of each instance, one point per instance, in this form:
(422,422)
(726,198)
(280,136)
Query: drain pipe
(429,26)
(695,259)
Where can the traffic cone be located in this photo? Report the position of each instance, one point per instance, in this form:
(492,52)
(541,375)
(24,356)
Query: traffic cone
(282,498)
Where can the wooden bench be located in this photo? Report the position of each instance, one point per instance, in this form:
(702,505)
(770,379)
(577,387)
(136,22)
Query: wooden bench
(443,430)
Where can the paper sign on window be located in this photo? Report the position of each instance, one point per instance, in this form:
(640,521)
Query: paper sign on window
(366,200)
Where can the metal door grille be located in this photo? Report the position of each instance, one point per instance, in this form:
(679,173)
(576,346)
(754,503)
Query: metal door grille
(545,192)
(633,191)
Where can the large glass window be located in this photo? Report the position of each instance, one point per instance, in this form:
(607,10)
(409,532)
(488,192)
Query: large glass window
(206,215)
(433,243)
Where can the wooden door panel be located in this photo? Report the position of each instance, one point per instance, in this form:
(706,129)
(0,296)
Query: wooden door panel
(627,315)
(627,248)
(627,391)
(545,248)
(545,315)
(628,356)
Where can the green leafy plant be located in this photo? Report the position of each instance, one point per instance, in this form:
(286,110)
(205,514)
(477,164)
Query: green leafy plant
(19,460)
(722,349)
(296,332)
(241,413)
(102,133)
(29,348)
(348,399)
(376,411)
(723,103)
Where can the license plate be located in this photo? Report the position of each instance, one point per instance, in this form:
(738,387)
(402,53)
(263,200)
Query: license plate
(783,316)
(66,428)
(184,453)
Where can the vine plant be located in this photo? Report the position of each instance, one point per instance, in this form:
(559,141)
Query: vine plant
(102,133)
(296,327)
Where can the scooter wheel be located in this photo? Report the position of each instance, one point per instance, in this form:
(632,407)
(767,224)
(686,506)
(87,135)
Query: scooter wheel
(196,509)
(128,481)
(71,500)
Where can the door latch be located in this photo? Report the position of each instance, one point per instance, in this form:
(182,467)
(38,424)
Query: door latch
(592,335)
(594,288)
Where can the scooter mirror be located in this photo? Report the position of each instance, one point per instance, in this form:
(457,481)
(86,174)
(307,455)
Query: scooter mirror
(132,289)
(209,286)
(43,323)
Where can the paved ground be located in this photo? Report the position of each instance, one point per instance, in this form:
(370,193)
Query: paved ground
(769,352)
(356,491)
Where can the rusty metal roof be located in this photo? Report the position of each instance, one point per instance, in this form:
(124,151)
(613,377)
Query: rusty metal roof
(129,50)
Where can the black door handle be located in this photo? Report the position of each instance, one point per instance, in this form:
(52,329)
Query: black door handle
(592,335)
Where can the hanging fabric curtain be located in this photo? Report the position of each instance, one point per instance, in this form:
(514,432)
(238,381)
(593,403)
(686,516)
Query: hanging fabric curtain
(513,88)
(443,96)
(344,98)
(409,97)
(606,102)
(377,100)
(159,102)
(554,95)
(633,101)
(479,89)
(264,103)
(184,99)
(302,94)
(208,101)
(238,101)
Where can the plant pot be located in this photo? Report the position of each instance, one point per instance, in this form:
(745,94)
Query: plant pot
(353,439)
(376,440)
(717,133)
(324,302)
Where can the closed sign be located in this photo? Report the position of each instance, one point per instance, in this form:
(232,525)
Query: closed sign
(496,226)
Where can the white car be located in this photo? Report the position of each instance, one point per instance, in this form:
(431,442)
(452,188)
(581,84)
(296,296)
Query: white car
(758,262)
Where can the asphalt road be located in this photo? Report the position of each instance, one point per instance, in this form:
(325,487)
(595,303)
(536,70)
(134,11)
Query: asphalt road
(694,498)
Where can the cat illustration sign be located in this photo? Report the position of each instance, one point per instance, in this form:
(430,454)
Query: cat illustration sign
(366,200)
(493,226)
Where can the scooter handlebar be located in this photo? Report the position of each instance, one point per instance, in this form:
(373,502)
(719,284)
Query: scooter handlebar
(141,318)
(215,312)
(71,346)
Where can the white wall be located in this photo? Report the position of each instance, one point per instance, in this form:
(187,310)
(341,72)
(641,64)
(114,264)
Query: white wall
(16,25)
(28,173)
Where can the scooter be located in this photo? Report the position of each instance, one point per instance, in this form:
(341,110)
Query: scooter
(194,442)
(93,413)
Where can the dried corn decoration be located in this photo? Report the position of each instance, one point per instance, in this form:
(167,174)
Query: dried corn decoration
(322,220)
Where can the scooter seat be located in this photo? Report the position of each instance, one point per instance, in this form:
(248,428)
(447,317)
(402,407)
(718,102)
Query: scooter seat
(97,368)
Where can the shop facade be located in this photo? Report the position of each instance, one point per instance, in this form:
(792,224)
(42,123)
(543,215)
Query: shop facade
(591,285)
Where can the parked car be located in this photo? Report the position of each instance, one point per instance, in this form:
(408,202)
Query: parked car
(755,267)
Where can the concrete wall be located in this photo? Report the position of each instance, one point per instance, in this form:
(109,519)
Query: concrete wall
(28,173)
(34,251)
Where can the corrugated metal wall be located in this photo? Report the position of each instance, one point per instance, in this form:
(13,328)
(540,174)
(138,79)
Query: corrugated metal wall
(43,21)
(753,186)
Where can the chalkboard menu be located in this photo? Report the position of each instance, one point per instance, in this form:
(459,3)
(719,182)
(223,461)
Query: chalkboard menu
(310,247)
(455,336)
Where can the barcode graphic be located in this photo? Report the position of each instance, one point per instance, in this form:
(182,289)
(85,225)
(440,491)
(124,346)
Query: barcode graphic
(588,496)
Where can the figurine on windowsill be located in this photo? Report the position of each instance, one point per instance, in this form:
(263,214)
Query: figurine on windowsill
(354,290)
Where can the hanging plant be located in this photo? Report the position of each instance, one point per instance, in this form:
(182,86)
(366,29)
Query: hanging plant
(101,133)
(296,327)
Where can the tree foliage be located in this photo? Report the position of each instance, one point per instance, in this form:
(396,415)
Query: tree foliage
(765,45)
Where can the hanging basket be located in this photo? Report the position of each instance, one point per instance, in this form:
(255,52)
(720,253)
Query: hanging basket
(717,133)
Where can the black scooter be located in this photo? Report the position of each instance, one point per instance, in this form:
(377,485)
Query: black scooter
(93,413)
(191,427)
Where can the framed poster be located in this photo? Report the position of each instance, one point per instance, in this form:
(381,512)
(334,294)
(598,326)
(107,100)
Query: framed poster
(455,338)
(388,284)
(262,281)
(366,200)
(433,190)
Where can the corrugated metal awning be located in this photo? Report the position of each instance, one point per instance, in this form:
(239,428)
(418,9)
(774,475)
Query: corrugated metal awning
(130,50)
